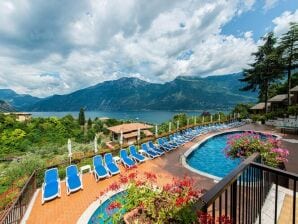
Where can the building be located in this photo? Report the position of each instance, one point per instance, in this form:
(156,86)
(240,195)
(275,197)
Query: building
(21,116)
(130,132)
(294,91)
(260,108)
(279,101)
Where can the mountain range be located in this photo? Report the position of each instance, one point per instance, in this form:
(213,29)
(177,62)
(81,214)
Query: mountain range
(183,93)
(15,101)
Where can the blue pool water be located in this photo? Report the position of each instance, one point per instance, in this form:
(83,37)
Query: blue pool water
(100,215)
(210,158)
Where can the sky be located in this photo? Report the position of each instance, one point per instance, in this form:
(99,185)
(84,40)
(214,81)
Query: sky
(59,46)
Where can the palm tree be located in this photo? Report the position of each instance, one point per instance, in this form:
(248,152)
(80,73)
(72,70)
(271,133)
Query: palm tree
(289,49)
(264,70)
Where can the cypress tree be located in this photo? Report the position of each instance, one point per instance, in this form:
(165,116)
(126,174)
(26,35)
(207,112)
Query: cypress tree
(82,117)
(266,69)
(289,48)
(89,123)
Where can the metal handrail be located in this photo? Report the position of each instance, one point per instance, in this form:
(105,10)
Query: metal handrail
(284,173)
(211,195)
(31,180)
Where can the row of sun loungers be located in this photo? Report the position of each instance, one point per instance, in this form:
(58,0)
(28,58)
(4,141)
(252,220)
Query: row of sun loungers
(107,166)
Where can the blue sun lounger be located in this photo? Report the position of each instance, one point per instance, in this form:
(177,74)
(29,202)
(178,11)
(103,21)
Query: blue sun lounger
(135,155)
(171,144)
(73,179)
(164,146)
(155,149)
(148,152)
(111,165)
(99,169)
(125,159)
(51,186)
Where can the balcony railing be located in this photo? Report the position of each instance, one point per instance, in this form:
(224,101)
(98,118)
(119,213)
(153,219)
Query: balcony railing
(14,213)
(242,194)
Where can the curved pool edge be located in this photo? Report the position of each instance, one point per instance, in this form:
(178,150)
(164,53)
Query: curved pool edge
(195,146)
(85,217)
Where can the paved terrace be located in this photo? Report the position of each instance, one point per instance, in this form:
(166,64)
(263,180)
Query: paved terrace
(68,209)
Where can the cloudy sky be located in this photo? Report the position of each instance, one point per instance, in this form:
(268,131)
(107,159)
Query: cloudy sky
(58,46)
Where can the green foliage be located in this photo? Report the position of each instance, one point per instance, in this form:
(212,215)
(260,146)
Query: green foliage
(293,110)
(242,109)
(18,169)
(244,145)
(265,70)
(289,50)
(82,117)
(172,203)
(258,117)
(89,123)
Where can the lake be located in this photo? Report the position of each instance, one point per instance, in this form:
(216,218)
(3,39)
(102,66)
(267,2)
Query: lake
(155,117)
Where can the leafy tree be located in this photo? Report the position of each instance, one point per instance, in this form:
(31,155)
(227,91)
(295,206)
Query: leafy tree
(182,118)
(82,117)
(265,70)
(289,48)
(242,109)
(89,123)
(98,126)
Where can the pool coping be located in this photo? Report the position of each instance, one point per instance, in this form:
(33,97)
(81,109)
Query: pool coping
(195,146)
(85,217)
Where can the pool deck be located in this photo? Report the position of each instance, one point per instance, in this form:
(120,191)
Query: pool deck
(68,209)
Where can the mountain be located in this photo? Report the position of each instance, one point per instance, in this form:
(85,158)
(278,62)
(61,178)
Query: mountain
(16,100)
(5,107)
(183,93)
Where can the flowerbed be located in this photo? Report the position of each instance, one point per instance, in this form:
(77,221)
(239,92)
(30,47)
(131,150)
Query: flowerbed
(147,202)
(245,144)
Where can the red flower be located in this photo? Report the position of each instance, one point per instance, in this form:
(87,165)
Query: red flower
(167,187)
(123,179)
(140,183)
(132,176)
(114,186)
(113,205)
(180,201)
(194,194)
(205,218)
(224,219)
(150,176)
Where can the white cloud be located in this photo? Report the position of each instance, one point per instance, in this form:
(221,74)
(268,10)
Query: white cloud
(269,4)
(46,50)
(282,23)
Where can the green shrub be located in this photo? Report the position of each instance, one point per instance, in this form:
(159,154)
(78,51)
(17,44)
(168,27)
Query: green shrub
(293,110)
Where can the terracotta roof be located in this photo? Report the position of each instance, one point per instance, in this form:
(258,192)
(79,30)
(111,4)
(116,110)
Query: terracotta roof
(130,135)
(148,133)
(18,113)
(295,89)
(279,98)
(260,106)
(129,127)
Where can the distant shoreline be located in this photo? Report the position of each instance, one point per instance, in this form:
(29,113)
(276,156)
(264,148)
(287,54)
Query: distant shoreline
(151,116)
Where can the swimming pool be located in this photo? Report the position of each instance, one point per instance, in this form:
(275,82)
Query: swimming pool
(209,158)
(100,215)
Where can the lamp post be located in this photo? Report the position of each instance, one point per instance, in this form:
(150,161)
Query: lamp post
(121,139)
(95,144)
(170,126)
(69,150)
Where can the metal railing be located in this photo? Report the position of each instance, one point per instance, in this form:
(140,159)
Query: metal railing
(242,194)
(14,213)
